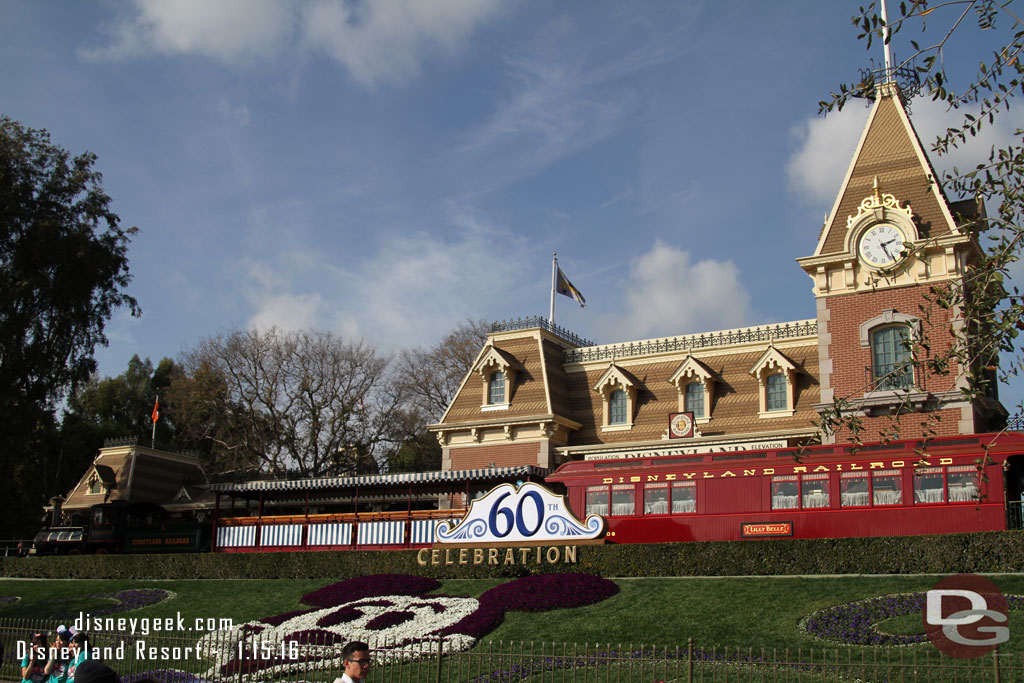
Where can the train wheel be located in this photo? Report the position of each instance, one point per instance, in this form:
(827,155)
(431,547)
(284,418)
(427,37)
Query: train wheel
(74,551)
(102,551)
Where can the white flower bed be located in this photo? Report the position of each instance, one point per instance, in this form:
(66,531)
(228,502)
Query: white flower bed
(276,655)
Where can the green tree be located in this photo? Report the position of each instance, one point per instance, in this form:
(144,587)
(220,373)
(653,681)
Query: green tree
(63,273)
(992,314)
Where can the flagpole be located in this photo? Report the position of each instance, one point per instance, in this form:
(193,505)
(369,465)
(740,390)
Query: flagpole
(152,439)
(554,269)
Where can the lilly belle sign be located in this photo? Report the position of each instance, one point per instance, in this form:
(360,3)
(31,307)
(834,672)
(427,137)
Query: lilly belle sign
(510,515)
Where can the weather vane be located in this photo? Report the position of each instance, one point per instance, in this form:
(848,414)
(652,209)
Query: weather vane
(904,77)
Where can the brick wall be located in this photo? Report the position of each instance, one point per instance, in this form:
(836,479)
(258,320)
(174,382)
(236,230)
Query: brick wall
(502,455)
(849,358)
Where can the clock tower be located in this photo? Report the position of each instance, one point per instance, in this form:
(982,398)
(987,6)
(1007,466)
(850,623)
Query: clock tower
(891,242)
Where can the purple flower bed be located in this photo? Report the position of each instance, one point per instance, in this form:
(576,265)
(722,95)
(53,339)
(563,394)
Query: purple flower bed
(370,586)
(532,594)
(279,619)
(855,623)
(123,601)
(389,619)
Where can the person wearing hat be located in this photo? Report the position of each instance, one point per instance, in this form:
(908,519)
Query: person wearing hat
(57,666)
(79,653)
(95,671)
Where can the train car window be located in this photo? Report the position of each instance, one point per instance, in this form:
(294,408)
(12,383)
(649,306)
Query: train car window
(815,491)
(853,489)
(928,486)
(656,499)
(597,500)
(684,497)
(623,500)
(97,516)
(785,492)
(963,483)
(886,487)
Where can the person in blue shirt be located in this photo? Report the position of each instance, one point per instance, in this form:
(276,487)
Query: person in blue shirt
(79,653)
(34,661)
(56,667)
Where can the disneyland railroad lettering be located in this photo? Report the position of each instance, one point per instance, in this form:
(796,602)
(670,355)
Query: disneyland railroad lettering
(144,625)
(498,556)
(796,469)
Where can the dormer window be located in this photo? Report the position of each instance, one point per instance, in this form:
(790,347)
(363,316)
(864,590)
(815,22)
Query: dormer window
(618,391)
(95,485)
(497,369)
(776,383)
(496,388)
(694,384)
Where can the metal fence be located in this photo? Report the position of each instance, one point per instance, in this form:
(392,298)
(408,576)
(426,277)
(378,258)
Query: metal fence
(244,657)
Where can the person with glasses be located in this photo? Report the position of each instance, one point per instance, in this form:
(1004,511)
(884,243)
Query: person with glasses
(356,657)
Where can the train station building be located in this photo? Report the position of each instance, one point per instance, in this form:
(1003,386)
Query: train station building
(539,395)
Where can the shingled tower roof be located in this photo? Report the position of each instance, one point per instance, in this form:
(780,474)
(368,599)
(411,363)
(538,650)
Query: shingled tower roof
(890,152)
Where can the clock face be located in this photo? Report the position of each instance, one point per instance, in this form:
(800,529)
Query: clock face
(881,245)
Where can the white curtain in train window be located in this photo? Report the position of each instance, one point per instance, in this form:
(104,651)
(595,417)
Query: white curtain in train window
(886,487)
(623,500)
(785,492)
(597,500)
(962,481)
(684,496)
(815,490)
(853,489)
(656,498)
(928,485)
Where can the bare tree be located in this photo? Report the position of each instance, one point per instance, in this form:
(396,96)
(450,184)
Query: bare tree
(432,376)
(280,401)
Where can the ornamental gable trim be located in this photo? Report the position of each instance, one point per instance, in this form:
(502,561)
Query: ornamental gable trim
(615,375)
(691,368)
(771,359)
(889,150)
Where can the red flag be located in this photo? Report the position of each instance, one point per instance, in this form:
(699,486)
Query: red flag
(156,410)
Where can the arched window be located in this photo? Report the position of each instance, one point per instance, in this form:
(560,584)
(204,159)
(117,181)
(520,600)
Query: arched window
(496,388)
(890,358)
(617,407)
(694,399)
(775,392)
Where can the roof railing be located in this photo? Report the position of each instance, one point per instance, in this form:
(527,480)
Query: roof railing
(543,323)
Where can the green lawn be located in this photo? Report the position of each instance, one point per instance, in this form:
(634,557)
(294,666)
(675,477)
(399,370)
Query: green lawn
(731,612)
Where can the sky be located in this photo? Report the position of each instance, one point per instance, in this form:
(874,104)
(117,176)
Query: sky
(386,170)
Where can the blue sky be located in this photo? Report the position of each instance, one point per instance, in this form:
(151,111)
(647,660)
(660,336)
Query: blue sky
(388,169)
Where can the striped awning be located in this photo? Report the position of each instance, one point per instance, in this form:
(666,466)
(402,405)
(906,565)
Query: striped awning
(384,480)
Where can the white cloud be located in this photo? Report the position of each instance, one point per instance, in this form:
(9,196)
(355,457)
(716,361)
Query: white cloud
(289,312)
(376,40)
(825,147)
(385,40)
(668,294)
(228,30)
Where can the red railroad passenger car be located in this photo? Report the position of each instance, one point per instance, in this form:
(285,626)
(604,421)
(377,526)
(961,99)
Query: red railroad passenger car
(902,488)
